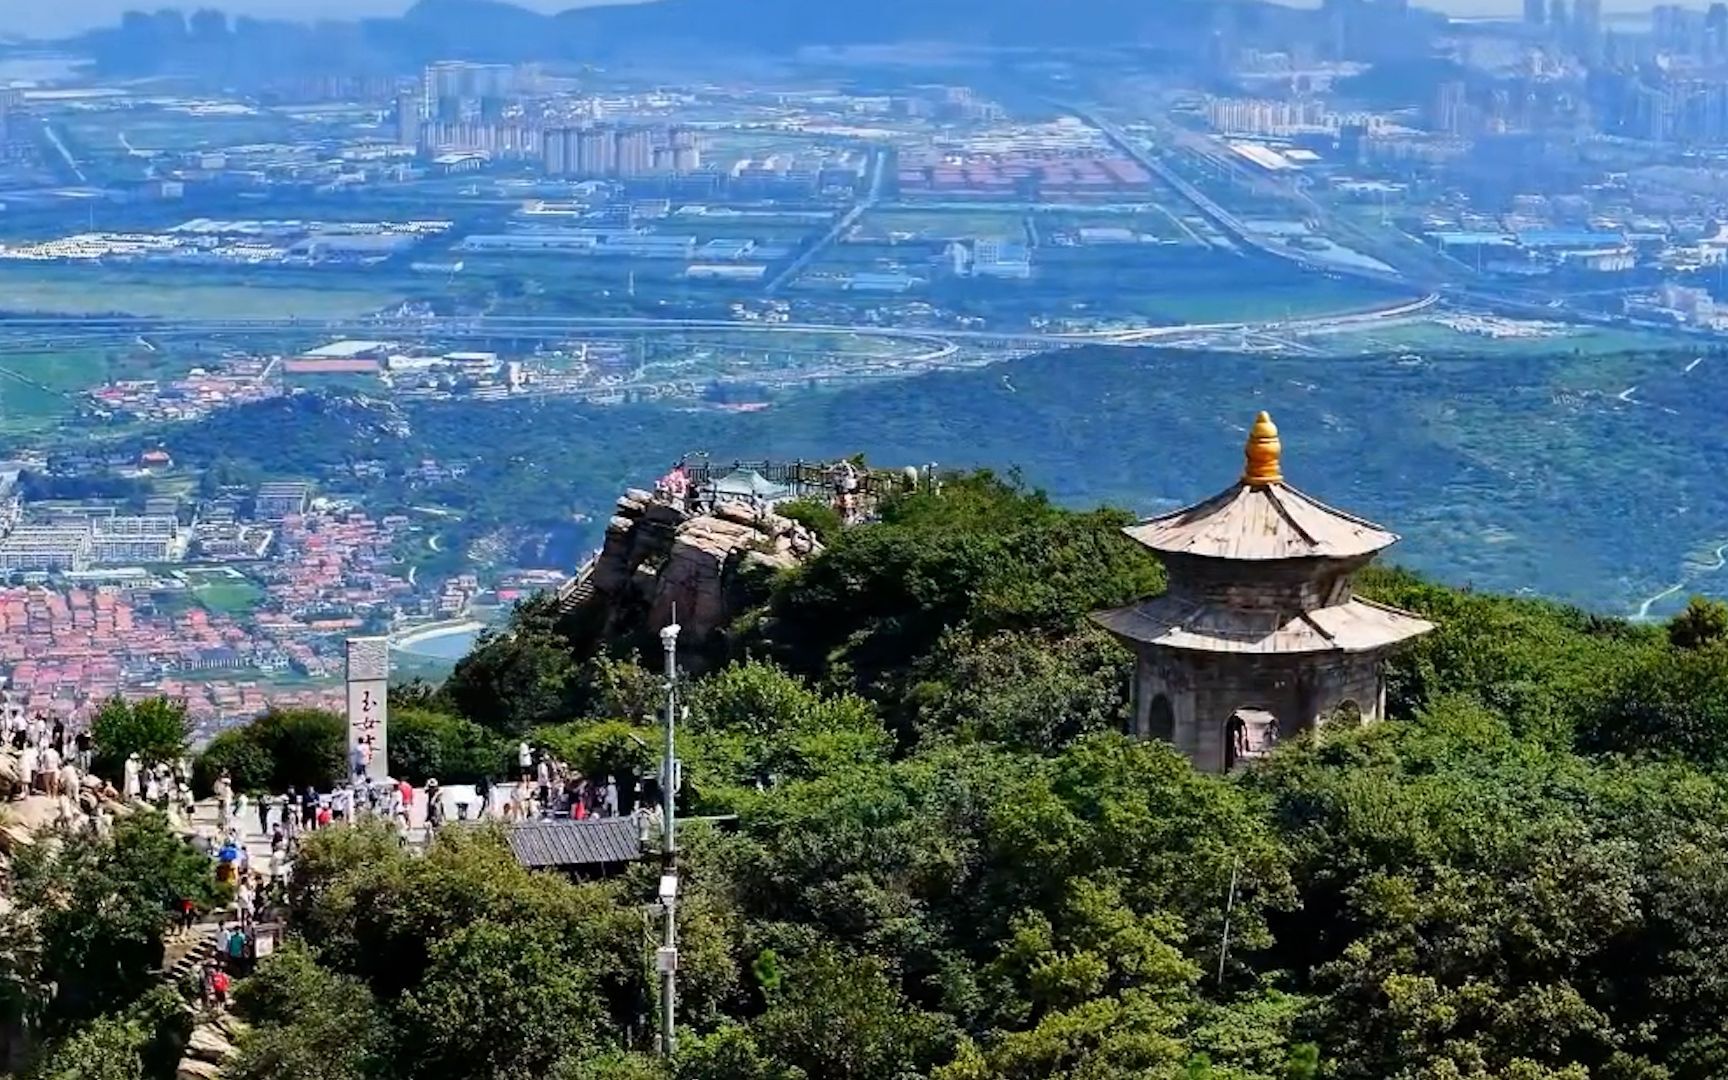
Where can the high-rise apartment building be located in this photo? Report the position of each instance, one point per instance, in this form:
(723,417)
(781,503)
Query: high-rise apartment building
(686,150)
(453,89)
(602,150)
(1716,33)
(557,147)
(635,152)
(1449,110)
(408,119)
(596,154)
(1587,27)
(10,100)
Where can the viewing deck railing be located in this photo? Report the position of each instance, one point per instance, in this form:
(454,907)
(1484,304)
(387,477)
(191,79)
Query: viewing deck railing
(803,477)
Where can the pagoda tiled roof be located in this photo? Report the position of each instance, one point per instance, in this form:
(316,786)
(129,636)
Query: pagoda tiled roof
(1255,522)
(1353,626)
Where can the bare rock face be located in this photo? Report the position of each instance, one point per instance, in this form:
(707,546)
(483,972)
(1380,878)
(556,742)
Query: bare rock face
(230,1026)
(34,812)
(208,1043)
(660,560)
(194,1069)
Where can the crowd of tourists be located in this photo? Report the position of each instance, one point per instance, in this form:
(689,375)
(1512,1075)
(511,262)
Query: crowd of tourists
(48,760)
(547,787)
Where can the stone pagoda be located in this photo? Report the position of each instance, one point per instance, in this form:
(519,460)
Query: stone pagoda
(1257,636)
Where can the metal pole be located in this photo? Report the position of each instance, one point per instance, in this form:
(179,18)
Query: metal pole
(1229,908)
(667,958)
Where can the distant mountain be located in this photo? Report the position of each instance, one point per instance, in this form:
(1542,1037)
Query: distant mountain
(474,27)
(245,48)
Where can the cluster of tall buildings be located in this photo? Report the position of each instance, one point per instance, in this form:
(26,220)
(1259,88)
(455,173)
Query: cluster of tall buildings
(454,90)
(1689,32)
(600,151)
(1672,110)
(1256,116)
(1579,26)
(460,107)
(11,101)
(456,96)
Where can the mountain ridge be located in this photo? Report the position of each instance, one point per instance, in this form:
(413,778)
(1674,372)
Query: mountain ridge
(786,25)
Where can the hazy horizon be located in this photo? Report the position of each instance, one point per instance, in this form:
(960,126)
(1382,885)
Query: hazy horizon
(70,16)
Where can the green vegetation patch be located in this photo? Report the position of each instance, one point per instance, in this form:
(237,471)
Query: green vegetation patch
(167,293)
(40,389)
(932,225)
(228,596)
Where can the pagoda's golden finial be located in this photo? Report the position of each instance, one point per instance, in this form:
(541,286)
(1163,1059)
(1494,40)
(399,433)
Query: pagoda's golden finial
(1263,452)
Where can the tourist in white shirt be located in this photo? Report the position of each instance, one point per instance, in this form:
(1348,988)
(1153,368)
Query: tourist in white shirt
(50,769)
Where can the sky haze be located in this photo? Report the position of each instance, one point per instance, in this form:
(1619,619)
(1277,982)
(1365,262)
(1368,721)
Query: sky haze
(52,17)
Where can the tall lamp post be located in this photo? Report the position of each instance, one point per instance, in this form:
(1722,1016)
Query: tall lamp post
(666,957)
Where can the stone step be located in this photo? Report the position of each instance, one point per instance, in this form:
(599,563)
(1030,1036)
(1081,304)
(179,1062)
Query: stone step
(189,961)
(572,599)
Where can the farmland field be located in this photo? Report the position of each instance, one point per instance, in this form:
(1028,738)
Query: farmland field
(95,291)
(932,225)
(40,388)
(160,129)
(1428,334)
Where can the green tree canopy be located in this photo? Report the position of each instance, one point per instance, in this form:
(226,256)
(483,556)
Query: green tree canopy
(307,1023)
(1704,622)
(282,748)
(108,1048)
(98,908)
(155,729)
(426,743)
(981,557)
(523,677)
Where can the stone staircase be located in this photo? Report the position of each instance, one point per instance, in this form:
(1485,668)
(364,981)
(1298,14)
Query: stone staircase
(186,952)
(579,589)
(574,594)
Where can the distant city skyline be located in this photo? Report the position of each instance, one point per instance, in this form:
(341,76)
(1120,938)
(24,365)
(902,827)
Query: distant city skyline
(70,16)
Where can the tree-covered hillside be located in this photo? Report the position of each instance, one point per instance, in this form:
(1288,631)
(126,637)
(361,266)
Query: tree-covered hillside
(942,860)
(1511,473)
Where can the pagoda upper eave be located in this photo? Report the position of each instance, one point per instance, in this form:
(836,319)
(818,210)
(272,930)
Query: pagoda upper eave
(1354,626)
(1258,522)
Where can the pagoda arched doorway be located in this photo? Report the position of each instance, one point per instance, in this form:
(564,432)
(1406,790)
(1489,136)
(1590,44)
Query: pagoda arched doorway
(1346,715)
(1249,735)
(1160,720)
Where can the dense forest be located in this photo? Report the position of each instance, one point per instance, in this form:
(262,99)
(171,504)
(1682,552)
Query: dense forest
(944,861)
(1521,474)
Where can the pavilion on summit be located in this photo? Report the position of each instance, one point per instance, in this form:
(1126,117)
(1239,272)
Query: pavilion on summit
(1258,635)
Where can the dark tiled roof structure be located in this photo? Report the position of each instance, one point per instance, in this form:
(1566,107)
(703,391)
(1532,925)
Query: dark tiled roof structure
(553,844)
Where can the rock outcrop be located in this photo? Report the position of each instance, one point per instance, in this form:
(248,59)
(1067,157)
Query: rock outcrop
(210,1047)
(661,562)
